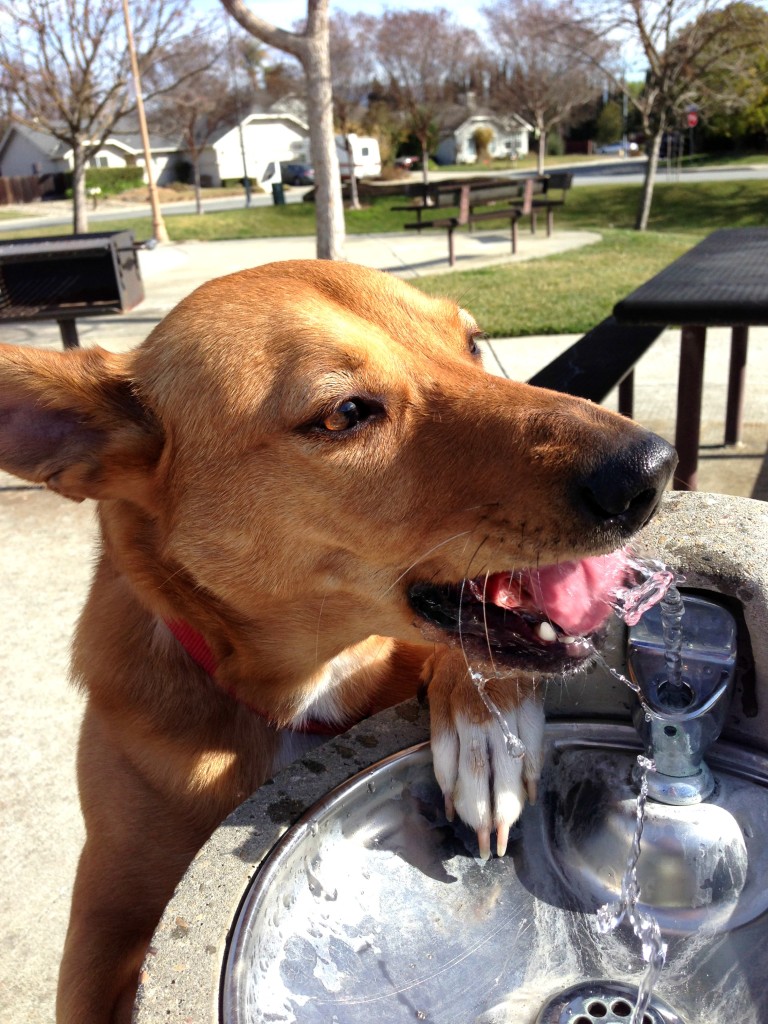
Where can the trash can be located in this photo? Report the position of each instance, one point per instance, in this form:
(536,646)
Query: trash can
(278,196)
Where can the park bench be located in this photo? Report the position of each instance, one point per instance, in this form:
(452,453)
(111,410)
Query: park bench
(549,193)
(497,199)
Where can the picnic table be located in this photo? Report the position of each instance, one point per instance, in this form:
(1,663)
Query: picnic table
(722,281)
(485,199)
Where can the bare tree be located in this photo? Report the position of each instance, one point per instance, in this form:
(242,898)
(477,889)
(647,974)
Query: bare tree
(311,48)
(426,58)
(679,41)
(66,65)
(540,75)
(194,109)
(352,72)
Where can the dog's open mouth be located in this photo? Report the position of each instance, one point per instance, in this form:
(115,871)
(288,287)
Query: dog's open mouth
(545,619)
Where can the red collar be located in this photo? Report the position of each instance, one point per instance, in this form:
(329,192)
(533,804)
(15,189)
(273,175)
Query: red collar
(197,648)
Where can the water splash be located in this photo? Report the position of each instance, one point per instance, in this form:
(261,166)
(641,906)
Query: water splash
(651,585)
(645,926)
(672,611)
(515,746)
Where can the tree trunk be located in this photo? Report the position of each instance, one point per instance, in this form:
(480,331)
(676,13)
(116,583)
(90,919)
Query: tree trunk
(312,50)
(329,206)
(79,203)
(424,160)
(541,151)
(644,210)
(196,182)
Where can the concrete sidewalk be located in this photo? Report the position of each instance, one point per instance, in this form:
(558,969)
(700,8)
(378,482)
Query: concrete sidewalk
(47,544)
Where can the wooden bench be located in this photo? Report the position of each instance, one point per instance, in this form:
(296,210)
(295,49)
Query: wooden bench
(499,199)
(549,193)
(595,364)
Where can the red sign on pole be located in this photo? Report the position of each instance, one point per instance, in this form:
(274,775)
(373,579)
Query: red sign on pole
(693,118)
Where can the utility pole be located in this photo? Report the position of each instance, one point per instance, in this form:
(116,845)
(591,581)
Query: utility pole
(159,231)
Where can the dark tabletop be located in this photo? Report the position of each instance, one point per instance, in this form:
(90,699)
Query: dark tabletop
(723,280)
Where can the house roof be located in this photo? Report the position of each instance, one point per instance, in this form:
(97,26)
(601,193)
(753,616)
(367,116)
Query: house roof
(124,136)
(47,144)
(451,119)
(258,115)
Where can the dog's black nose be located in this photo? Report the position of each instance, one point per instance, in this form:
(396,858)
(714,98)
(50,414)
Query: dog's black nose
(626,487)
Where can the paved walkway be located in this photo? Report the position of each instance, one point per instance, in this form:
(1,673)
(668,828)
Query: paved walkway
(46,547)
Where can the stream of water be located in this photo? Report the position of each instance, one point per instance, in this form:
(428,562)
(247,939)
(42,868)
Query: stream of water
(654,583)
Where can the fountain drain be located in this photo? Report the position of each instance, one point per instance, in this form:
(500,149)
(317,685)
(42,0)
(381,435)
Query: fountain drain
(603,1002)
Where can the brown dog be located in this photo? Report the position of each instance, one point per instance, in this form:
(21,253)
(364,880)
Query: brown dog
(295,473)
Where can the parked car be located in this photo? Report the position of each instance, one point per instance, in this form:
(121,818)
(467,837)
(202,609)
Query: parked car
(617,149)
(408,162)
(298,174)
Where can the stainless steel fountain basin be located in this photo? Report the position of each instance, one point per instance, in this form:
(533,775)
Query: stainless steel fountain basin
(374,907)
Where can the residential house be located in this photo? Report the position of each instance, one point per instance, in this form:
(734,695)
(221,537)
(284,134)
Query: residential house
(457,125)
(261,137)
(25,151)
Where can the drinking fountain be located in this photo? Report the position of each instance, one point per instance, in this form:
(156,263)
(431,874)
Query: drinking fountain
(339,892)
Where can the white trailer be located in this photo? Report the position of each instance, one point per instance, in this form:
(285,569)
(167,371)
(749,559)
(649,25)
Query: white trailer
(365,155)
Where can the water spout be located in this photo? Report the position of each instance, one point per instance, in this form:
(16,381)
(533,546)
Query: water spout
(687,693)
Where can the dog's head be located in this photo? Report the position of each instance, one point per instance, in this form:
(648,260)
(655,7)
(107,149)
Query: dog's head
(317,444)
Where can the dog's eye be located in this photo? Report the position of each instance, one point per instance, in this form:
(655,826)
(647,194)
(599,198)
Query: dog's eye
(348,415)
(472,343)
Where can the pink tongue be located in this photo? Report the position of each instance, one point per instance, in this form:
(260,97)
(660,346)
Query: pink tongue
(576,596)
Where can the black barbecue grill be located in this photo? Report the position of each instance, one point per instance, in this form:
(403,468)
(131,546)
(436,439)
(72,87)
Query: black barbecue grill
(65,278)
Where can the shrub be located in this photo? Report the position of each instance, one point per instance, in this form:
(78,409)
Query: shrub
(113,180)
(483,137)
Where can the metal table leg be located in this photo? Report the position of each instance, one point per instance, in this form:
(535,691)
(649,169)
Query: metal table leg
(68,329)
(736,378)
(689,393)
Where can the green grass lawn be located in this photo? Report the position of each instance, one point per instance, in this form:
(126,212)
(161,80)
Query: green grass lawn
(573,291)
(566,293)
(677,207)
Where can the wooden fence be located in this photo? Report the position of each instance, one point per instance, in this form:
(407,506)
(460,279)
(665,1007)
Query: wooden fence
(31,188)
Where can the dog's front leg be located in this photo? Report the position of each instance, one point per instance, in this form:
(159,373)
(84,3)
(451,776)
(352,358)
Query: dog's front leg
(482,779)
(137,848)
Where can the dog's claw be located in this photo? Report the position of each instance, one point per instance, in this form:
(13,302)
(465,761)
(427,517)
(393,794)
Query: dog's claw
(502,839)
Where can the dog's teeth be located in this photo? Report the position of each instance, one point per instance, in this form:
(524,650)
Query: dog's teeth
(568,639)
(546,632)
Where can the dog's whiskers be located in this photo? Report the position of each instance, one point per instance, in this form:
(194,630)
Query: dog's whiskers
(421,558)
(485,627)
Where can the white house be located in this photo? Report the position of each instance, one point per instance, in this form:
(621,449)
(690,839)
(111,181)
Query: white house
(25,151)
(458,124)
(267,137)
(271,136)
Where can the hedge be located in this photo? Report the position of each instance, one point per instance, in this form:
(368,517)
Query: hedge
(112,180)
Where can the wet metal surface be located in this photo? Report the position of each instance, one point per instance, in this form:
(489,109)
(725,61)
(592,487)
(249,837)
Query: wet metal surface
(374,907)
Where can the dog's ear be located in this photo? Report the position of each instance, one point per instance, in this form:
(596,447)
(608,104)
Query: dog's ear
(73,421)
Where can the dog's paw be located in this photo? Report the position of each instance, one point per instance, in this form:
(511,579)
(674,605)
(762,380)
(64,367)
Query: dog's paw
(485,779)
